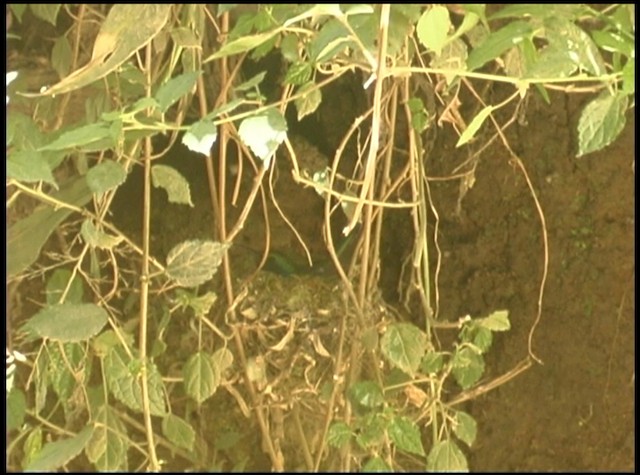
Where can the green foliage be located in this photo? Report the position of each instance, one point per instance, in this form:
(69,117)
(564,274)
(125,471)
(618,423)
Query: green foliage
(107,324)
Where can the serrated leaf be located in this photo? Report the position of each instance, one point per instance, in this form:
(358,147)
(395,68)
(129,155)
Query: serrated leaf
(202,303)
(483,338)
(56,454)
(298,73)
(29,166)
(468,367)
(107,448)
(403,345)
(310,100)
(406,435)
(264,133)
(222,360)
(497,43)
(446,456)
(106,176)
(243,44)
(367,394)
(69,322)
(201,136)
(601,121)
(178,431)
(201,378)
(433,28)
(465,427)
(372,431)
(193,263)
(376,464)
(498,321)
(16,409)
(432,362)
(171,91)
(339,434)
(475,125)
(124,382)
(62,377)
(95,237)
(176,186)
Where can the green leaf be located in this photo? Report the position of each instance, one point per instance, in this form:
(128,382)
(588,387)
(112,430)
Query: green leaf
(32,446)
(468,367)
(465,427)
(552,62)
(629,77)
(201,378)
(26,237)
(56,454)
(69,322)
(45,11)
(475,125)
(251,83)
(309,101)
(16,409)
(264,133)
(446,456)
(339,434)
(367,394)
(406,435)
(601,122)
(81,136)
(178,431)
(564,35)
(106,176)
(433,28)
(432,362)
(298,73)
(483,338)
(614,42)
(123,380)
(201,136)
(63,369)
(61,56)
(108,446)
(242,45)
(222,360)
(95,237)
(202,303)
(171,91)
(376,464)
(497,43)
(29,166)
(121,35)
(176,186)
(498,321)
(403,345)
(372,431)
(192,263)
